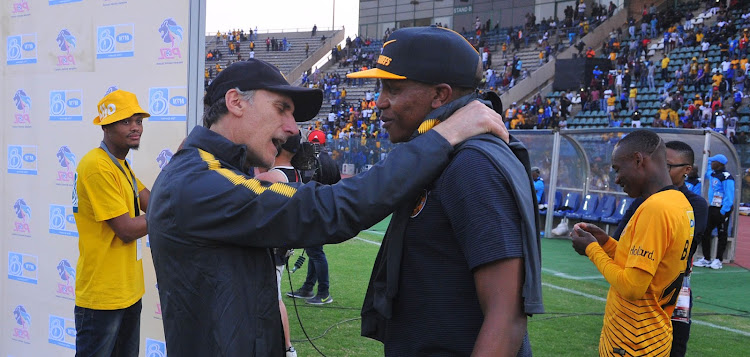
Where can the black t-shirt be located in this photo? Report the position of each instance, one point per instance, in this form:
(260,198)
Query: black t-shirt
(469,218)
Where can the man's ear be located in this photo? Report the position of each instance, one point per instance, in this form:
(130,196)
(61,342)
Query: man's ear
(638,158)
(442,94)
(235,104)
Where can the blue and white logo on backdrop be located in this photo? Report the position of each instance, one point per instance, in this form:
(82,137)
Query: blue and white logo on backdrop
(23,267)
(66,42)
(155,348)
(22,219)
(23,325)
(60,2)
(62,332)
(115,41)
(67,171)
(22,102)
(165,156)
(21,49)
(61,221)
(20,8)
(66,286)
(171,38)
(167,103)
(22,159)
(66,105)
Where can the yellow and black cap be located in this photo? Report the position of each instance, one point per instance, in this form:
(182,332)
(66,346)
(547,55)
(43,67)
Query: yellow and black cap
(426,54)
(258,74)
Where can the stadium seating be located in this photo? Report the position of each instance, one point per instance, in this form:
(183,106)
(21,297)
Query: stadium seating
(622,207)
(588,207)
(569,204)
(558,199)
(605,209)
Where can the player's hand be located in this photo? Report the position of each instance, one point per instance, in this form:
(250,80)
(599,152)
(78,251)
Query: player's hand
(598,233)
(473,119)
(581,239)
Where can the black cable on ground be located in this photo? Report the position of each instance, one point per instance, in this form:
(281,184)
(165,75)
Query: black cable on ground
(294,300)
(329,329)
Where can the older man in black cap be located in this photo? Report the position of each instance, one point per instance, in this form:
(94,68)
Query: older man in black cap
(212,226)
(468,243)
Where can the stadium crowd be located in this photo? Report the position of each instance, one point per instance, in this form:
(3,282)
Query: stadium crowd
(667,70)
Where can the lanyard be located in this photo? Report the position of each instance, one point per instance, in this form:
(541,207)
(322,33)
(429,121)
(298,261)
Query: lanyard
(133,185)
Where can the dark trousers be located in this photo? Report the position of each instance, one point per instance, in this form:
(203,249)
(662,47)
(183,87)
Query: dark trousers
(108,332)
(721,223)
(681,334)
(317,270)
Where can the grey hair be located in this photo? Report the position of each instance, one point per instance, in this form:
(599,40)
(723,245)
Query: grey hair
(218,109)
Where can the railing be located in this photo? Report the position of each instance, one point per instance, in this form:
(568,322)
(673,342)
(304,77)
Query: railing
(282,30)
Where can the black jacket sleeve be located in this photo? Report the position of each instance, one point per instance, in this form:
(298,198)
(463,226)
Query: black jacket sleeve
(218,206)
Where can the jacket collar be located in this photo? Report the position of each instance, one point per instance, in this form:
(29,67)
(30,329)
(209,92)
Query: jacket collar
(438,115)
(219,146)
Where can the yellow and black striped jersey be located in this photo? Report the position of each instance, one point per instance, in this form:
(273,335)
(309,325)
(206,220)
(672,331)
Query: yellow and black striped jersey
(656,240)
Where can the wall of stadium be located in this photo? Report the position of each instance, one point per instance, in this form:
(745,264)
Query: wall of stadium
(60,58)
(375,16)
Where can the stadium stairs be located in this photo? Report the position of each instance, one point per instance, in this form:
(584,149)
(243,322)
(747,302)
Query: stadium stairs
(291,63)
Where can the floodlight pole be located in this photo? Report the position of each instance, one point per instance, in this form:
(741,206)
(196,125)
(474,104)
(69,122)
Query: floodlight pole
(333,16)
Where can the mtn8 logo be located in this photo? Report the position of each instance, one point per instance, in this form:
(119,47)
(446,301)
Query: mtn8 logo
(155,348)
(62,221)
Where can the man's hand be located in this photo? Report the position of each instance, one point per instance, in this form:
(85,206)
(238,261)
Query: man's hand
(598,233)
(581,239)
(473,119)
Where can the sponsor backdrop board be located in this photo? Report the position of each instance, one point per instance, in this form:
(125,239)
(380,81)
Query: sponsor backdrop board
(59,58)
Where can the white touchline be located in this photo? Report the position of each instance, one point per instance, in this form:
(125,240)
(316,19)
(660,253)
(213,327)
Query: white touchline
(599,298)
(367,241)
(571,277)
(576,292)
(594,297)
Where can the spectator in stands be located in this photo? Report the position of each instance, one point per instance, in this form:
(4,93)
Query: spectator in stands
(636,119)
(580,46)
(631,98)
(664,67)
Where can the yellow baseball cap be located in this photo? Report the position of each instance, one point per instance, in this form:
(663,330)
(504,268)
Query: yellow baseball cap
(116,106)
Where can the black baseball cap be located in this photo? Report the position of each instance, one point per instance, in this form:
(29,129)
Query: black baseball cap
(258,74)
(426,54)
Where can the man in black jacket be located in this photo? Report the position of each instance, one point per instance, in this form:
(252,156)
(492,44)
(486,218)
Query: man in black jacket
(212,226)
(468,243)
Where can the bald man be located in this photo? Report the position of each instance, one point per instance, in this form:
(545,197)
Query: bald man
(646,267)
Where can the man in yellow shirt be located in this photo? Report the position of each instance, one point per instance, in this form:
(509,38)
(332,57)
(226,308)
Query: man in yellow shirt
(664,69)
(646,267)
(716,79)
(107,202)
(611,101)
